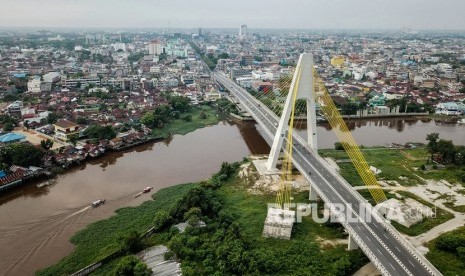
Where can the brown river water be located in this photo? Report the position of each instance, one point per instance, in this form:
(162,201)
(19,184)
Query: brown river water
(37,223)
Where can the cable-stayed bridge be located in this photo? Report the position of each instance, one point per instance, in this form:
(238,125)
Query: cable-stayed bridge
(383,244)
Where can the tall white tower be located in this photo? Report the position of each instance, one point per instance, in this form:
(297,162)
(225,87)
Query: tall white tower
(243,32)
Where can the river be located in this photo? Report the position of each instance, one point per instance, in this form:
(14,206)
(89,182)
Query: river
(37,223)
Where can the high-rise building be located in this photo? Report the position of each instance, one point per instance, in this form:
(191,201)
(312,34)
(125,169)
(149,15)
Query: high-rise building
(243,32)
(156,48)
(119,46)
(200,32)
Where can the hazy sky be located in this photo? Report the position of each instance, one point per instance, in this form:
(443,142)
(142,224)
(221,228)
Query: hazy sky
(317,14)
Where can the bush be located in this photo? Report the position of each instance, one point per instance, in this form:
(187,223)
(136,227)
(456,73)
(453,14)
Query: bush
(187,118)
(461,252)
(203,116)
(132,243)
(450,242)
(193,216)
(8,127)
(168,255)
(161,220)
(132,266)
(338,146)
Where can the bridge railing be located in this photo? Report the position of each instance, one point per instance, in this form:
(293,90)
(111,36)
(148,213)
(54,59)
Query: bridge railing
(407,245)
(355,236)
(417,255)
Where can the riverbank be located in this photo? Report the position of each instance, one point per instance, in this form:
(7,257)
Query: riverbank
(199,117)
(232,215)
(247,211)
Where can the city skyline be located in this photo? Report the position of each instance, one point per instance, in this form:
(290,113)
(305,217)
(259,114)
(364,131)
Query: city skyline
(293,14)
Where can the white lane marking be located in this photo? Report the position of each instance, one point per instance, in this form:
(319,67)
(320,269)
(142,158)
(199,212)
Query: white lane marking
(392,266)
(245,98)
(397,248)
(411,263)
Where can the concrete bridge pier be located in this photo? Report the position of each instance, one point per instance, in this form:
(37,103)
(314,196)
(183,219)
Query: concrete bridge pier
(352,244)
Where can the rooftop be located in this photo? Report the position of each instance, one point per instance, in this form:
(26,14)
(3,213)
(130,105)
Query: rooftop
(11,137)
(65,124)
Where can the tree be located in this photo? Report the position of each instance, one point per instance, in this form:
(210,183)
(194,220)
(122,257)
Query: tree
(338,146)
(4,119)
(103,107)
(74,139)
(223,56)
(82,120)
(46,144)
(132,243)
(8,127)
(20,154)
(161,220)
(179,103)
(193,216)
(158,118)
(100,132)
(432,145)
(349,109)
(141,269)
(203,116)
(447,150)
(131,266)
(52,118)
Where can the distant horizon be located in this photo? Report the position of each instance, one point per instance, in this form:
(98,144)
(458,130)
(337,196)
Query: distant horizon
(273,14)
(204,28)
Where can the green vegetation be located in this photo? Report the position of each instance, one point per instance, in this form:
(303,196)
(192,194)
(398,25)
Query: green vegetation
(456,208)
(188,122)
(7,119)
(100,132)
(8,127)
(135,57)
(20,154)
(104,237)
(46,144)
(405,166)
(394,164)
(209,59)
(52,118)
(230,244)
(445,151)
(132,266)
(224,106)
(447,252)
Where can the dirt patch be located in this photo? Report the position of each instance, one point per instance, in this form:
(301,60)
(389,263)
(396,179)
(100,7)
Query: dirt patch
(410,157)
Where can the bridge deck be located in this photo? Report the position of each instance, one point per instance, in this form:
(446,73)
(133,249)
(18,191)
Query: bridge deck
(385,247)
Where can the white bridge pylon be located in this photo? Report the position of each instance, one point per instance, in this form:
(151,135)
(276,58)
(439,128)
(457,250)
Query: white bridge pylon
(302,84)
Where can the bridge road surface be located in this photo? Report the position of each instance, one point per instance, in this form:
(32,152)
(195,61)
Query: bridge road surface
(380,245)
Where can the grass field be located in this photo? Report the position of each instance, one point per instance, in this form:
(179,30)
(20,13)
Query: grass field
(403,166)
(182,127)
